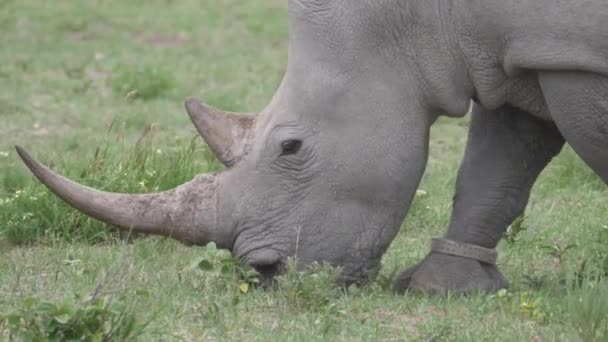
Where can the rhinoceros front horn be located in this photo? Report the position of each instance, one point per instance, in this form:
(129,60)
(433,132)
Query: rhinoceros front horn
(226,133)
(186,213)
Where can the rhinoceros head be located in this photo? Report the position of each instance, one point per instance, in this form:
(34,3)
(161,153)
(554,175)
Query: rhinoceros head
(324,173)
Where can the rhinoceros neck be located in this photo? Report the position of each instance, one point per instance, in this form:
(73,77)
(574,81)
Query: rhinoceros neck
(505,42)
(416,39)
(434,41)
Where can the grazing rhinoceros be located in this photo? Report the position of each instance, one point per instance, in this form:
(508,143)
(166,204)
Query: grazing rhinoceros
(327,171)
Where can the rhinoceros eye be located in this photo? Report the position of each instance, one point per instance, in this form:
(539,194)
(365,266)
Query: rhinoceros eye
(291,146)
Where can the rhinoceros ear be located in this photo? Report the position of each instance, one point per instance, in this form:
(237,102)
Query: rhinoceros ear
(227,134)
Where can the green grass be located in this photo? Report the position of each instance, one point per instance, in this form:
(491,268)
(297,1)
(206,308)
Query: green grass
(95,89)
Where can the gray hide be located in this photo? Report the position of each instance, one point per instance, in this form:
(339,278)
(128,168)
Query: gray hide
(327,171)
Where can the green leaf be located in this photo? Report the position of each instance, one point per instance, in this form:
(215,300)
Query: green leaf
(70,262)
(13,319)
(227,268)
(29,302)
(63,318)
(211,246)
(205,265)
(47,308)
(142,293)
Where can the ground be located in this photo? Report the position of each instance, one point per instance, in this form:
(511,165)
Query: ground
(96,88)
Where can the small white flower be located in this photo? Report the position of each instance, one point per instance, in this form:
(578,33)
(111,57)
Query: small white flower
(3,154)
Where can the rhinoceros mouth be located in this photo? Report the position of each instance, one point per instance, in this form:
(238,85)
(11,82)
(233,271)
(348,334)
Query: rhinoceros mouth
(267,272)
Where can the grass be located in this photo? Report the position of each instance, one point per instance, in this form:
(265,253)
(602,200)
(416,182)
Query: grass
(95,88)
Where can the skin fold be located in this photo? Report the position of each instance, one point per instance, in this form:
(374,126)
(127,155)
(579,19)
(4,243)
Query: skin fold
(327,171)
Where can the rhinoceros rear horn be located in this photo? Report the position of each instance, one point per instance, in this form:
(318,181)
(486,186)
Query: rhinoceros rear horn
(226,133)
(186,213)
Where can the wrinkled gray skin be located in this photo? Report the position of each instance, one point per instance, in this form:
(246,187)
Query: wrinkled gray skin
(364,82)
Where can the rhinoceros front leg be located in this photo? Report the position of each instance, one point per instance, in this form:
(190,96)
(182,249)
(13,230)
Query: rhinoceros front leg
(506,150)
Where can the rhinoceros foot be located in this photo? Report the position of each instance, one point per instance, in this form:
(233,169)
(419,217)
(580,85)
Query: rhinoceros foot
(441,273)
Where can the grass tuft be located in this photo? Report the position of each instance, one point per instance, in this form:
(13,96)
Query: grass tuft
(102,315)
(33,214)
(94,319)
(314,289)
(588,310)
(142,82)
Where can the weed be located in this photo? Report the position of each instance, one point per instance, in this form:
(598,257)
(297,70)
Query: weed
(558,251)
(535,281)
(529,304)
(516,228)
(220,261)
(94,319)
(313,289)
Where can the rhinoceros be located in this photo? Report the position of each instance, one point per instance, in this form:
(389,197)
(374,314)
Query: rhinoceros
(327,171)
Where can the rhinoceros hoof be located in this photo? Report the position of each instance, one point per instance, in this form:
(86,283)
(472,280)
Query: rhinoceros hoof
(442,273)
